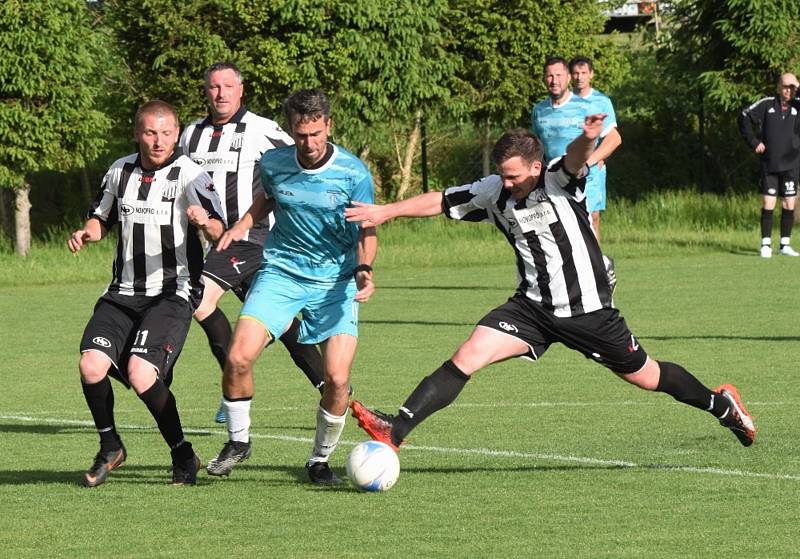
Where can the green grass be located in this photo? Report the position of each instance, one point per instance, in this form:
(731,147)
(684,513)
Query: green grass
(553,459)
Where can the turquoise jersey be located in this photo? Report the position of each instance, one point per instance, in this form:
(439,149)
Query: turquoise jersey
(311,239)
(556,127)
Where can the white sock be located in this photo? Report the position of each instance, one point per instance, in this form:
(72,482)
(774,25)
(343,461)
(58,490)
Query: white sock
(784,241)
(238,414)
(329,429)
(766,241)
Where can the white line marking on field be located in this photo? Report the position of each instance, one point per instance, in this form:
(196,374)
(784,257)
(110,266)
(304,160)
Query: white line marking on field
(445,450)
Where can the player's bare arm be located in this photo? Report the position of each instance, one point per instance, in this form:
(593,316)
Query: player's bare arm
(259,209)
(367,249)
(211,228)
(371,215)
(581,148)
(92,232)
(607,146)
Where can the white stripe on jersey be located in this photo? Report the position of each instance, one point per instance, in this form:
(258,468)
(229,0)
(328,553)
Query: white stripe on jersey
(158,252)
(231,154)
(559,263)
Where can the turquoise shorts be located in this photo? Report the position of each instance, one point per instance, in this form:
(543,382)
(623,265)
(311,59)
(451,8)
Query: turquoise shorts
(275,298)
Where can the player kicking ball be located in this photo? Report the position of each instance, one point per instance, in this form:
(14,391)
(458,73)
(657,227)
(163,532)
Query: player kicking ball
(563,295)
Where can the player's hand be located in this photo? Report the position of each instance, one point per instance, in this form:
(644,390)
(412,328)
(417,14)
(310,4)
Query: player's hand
(593,125)
(235,233)
(197,216)
(365,285)
(761,148)
(78,239)
(369,215)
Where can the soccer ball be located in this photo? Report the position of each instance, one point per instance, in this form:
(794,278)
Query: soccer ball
(373,466)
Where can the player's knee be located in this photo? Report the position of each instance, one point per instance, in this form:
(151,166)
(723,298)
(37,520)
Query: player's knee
(204,310)
(93,366)
(141,374)
(239,362)
(647,377)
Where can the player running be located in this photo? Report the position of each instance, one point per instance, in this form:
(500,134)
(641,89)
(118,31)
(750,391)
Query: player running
(563,295)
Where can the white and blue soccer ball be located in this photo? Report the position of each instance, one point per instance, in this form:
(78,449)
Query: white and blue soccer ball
(373,466)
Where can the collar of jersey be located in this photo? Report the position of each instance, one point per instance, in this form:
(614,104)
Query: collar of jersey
(561,104)
(175,155)
(235,119)
(321,167)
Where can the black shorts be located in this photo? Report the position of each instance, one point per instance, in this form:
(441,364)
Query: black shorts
(234,267)
(783,184)
(601,335)
(153,328)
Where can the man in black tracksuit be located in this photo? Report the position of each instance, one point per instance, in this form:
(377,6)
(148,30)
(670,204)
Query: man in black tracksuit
(771,127)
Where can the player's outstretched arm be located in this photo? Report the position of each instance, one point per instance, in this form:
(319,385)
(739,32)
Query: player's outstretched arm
(371,215)
(258,210)
(581,148)
(92,232)
(212,228)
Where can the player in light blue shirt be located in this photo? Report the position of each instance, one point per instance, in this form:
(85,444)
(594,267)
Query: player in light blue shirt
(582,73)
(557,120)
(316,265)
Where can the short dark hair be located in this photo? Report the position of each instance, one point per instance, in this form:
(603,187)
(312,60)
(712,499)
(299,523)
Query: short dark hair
(308,104)
(519,142)
(155,107)
(580,61)
(223,65)
(550,60)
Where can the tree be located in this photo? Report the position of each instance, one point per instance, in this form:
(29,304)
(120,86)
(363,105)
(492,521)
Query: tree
(504,46)
(48,86)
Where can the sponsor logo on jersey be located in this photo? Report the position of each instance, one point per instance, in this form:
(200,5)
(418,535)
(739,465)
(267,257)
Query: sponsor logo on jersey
(101,341)
(633,345)
(138,350)
(507,327)
(168,348)
(142,211)
(210,187)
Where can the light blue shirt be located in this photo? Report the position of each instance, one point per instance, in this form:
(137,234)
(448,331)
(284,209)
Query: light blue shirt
(311,239)
(556,127)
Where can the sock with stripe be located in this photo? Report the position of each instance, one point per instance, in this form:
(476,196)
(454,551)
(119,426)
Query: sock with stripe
(684,387)
(100,399)
(436,391)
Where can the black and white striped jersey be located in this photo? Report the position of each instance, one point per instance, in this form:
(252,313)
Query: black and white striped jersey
(158,249)
(230,153)
(559,262)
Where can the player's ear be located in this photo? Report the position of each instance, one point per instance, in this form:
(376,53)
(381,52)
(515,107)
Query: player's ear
(536,168)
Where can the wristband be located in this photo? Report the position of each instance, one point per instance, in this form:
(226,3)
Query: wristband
(362,268)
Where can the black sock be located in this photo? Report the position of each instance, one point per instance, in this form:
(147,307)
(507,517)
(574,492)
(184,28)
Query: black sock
(306,356)
(684,387)
(787,222)
(161,403)
(100,399)
(218,330)
(766,223)
(436,391)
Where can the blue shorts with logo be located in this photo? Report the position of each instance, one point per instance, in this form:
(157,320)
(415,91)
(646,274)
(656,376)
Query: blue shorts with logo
(327,309)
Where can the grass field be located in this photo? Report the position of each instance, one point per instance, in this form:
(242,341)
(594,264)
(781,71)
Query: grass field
(553,459)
